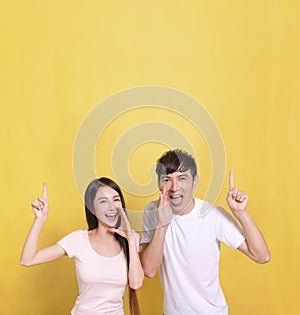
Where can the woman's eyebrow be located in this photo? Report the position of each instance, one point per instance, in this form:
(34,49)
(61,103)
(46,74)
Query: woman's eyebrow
(104,197)
(99,198)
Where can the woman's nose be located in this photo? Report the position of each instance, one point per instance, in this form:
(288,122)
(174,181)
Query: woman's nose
(112,205)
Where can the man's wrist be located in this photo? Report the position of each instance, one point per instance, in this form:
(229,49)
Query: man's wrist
(241,215)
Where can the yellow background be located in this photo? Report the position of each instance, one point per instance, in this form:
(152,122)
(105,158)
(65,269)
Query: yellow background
(240,59)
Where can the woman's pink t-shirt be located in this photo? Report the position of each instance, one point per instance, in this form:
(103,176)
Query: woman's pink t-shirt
(102,280)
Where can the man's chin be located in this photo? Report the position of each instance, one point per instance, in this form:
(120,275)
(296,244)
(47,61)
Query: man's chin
(177,209)
(180,208)
(176,202)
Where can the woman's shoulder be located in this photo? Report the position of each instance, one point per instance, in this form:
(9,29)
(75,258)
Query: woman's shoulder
(77,234)
(73,242)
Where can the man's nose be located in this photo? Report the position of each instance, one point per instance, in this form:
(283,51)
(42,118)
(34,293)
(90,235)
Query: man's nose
(174,185)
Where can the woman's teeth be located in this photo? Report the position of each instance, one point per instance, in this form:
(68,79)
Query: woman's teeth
(111,217)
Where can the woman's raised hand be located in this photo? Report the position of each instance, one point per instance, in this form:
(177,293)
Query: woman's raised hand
(125,229)
(40,205)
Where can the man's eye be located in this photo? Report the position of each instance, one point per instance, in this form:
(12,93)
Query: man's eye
(165,179)
(103,201)
(182,178)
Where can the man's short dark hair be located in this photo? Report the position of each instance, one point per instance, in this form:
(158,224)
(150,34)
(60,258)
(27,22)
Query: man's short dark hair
(175,161)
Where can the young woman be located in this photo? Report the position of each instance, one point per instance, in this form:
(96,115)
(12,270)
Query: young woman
(106,255)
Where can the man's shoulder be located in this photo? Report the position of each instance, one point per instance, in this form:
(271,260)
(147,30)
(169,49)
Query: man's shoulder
(152,205)
(204,207)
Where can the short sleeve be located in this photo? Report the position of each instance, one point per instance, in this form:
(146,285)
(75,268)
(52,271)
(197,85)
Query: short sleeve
(70,242)
(228,230)
(150,221)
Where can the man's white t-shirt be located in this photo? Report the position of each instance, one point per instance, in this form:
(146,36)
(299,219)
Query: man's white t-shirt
(190,269)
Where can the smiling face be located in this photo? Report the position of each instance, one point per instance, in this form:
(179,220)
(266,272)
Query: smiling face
(180,190)
(107,205)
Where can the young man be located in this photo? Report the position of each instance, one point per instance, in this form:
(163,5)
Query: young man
(182,235)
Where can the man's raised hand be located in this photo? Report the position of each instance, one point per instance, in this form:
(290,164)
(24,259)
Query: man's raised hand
(236,199)
(164,209)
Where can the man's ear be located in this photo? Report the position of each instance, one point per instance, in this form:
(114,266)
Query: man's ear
(196,181)
(158,183)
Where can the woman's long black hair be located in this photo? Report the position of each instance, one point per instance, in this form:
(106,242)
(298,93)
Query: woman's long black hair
(92,222)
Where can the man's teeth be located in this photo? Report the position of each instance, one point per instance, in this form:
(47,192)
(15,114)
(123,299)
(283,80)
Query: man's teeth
(176,196)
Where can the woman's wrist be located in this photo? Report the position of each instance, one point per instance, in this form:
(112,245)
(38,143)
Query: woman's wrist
(40,220)
(131,239)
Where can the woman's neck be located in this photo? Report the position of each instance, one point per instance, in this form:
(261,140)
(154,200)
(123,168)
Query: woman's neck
(104,242)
